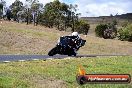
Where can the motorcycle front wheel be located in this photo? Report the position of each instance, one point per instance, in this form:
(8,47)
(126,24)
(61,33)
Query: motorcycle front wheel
(72,53)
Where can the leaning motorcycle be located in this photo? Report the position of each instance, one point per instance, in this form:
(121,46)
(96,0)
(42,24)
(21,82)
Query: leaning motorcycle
(67,45)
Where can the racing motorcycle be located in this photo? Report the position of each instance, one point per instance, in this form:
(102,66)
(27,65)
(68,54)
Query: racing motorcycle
(67,45)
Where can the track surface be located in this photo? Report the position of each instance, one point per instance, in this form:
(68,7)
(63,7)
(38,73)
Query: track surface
(6,58)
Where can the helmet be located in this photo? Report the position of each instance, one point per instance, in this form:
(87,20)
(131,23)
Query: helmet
(75,34)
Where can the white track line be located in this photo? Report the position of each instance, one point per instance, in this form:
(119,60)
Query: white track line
(35,59)
(49,58)
(21,60)
(6,61)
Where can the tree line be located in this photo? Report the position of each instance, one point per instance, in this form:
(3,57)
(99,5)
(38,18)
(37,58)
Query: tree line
(53,14)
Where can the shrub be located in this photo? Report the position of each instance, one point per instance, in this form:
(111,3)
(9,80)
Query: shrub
(82,27)
(99,30)
(111,31)
(125,33)
(107,31)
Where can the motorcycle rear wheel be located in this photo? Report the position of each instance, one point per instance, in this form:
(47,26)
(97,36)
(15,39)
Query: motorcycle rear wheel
(53,51)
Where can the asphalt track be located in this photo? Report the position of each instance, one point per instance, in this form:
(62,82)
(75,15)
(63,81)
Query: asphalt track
(8,58)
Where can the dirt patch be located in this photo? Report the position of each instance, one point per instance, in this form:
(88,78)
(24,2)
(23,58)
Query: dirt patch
(41,82)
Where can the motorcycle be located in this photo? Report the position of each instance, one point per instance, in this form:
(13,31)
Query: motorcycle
(67,45)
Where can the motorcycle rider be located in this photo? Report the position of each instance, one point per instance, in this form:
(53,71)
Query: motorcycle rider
(75,34)
(75,38)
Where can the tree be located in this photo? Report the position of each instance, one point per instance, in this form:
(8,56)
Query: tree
(36,9)
(8,14)
(33,11)
(55,14)
(74,16)
(1,10)
(60,15)
(2,4)
(15,7)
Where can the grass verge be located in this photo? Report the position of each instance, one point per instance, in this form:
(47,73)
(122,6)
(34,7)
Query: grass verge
(61,73)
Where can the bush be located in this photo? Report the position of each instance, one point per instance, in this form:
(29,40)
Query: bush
(82,27)
(111,31)
(99,30)
(107,31)
(125,33)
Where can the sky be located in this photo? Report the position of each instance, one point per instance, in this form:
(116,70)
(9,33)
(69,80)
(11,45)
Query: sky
(95,8)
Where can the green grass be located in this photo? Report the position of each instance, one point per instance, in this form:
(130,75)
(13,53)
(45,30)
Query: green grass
(23,74)
(12,82)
